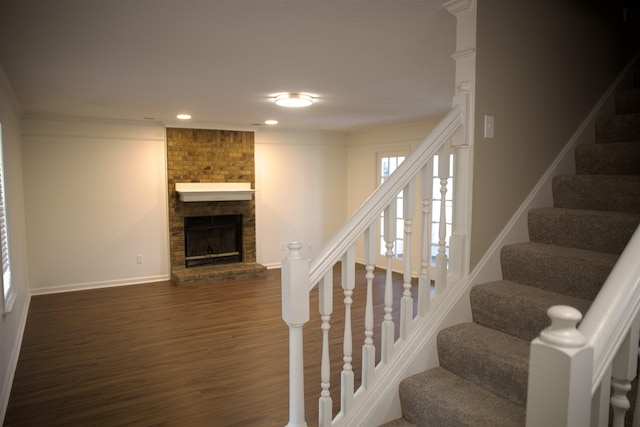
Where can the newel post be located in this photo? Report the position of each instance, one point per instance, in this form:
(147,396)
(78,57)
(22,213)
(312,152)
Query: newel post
(560,373)
(295,312)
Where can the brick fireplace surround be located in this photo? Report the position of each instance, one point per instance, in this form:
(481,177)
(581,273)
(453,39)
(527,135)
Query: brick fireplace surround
(199,155)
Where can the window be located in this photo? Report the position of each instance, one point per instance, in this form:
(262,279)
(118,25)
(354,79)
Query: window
(436,206)
(388,163)
(8,293)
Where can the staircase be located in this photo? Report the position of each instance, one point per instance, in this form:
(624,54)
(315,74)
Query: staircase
(482,378)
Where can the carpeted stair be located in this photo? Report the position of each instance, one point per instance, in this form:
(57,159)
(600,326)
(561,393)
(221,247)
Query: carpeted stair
(482,378)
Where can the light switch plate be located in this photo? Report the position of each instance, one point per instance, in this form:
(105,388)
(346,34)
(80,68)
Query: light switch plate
(489,123)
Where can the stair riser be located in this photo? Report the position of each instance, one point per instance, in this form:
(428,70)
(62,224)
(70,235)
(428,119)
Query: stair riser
(608,159)
(438,398)
(591,230)
(622,128)
(603,193)
(628,101)
(514,313)
(581,277)
(461,350)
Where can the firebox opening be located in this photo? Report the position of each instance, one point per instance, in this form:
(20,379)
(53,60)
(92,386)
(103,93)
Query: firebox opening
(211,240)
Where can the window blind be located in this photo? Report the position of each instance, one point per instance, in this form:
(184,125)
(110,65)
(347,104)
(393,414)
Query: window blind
(7,291)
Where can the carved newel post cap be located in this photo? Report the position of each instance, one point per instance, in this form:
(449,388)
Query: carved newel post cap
(295,250)
(563,331)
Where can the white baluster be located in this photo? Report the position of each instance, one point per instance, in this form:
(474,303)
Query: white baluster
(441,257)
(406,303)
(371,242)
(387,324)
(295,312)
(619,401)
(558,394)
(348,284)
(326,308)
(424,282)
(623,371)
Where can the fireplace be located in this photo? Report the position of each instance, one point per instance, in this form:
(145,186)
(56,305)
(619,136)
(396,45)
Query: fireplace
(212,240)
(212,222)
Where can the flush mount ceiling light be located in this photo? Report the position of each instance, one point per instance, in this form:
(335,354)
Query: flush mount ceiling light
(184,116)
(271,122)
(293,100)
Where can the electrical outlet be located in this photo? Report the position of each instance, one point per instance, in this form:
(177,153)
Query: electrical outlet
(139,259)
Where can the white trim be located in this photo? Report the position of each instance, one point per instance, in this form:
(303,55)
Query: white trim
(97,285)
(5,391)
(214,191)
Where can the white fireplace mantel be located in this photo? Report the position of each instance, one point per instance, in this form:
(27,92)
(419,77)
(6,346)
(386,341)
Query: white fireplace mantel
(214,191)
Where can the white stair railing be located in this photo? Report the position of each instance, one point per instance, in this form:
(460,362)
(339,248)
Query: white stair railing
(573,370)
(300,277)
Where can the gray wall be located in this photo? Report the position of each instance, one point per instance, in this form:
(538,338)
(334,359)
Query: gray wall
(541,66)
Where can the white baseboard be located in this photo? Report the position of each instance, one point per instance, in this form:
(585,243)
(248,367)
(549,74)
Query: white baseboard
(13,362)
(97,285)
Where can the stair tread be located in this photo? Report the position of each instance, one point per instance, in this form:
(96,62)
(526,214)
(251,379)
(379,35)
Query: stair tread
(440,398)
(517,309)
(613,159)
(618,193)
(486,357)
(575,272)
(600,231)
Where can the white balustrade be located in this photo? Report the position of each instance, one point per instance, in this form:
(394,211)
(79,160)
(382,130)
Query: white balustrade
(301,276)
(573,371)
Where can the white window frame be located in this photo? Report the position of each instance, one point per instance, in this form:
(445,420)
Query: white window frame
(8,291)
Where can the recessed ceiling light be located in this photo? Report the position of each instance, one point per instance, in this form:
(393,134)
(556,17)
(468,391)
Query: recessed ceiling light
(270,122)
(293,100)
(184,116)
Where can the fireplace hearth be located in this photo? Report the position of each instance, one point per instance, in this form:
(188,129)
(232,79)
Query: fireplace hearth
(212,240)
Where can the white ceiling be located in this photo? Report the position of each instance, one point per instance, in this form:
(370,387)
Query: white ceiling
(370,62)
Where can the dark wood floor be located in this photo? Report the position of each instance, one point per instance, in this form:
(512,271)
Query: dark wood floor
(161,355)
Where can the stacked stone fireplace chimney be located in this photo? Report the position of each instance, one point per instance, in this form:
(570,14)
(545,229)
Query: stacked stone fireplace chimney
(210,156)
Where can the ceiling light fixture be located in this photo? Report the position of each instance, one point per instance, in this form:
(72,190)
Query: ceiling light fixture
(184,116)
(270,122)
(293,100)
